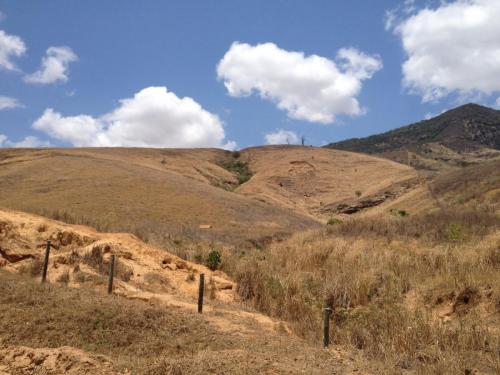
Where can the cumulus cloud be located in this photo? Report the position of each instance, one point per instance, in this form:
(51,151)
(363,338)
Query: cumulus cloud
(54,67)
(454,48)
(154,117)
(10,46)
(311,88)
(28,142)
(7,102)
(281,137)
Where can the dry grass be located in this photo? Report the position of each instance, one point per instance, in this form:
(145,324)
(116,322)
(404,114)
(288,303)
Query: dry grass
(134,333)
(131,190)
(95,259)
(475,183)
(404,293)
(147,338)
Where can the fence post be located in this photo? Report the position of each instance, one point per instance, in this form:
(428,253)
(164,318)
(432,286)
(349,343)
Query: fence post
(46,262)
(111,273)
(200,293)
(326,327)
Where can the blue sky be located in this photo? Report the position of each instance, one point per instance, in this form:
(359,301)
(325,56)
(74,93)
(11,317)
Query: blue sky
(106,51)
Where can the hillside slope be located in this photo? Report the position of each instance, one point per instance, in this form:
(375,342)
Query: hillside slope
(316,182)
(165,195)
(156,194)
(463,135)
(150,324)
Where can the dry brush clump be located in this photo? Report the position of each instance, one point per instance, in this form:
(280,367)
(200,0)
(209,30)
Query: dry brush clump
(95,259)
(387,280)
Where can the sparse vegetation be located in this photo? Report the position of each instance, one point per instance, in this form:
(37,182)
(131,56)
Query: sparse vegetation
(95,259)
(386,280)
(144,338)
(358,193)
(235,165)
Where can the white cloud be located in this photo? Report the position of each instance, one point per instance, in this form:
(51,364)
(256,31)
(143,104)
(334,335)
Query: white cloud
(281,137)
(154,117)
(454,48)
(28,142)
(497,102)
(7,102)
(54,67)
(311,88)
(10,46)
(230,145)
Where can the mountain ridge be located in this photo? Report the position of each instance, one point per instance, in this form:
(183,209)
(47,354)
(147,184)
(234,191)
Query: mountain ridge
(458,137)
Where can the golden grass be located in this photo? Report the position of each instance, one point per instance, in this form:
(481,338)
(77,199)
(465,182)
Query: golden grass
(404,293)
(130,190)
(419,293)
(147,338)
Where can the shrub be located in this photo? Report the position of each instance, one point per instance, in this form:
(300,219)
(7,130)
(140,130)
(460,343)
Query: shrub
(95,259)
(403,213)
(358,193)
(333,221)
(213,260)
(243,178)
(454,232)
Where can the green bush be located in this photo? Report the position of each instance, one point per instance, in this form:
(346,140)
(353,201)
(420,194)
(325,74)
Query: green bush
(213,260)
(333,221)
(403,213)
(454,232)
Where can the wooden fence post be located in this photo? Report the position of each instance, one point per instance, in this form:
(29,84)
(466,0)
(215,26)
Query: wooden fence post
(200,293)
(46,262)
(111,273)
(326,327)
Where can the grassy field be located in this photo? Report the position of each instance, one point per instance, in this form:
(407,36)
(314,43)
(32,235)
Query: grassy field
(145,338)
(410,292)
(164,196)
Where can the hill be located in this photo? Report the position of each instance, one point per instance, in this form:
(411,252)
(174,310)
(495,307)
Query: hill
(412,290)
(165,196)
(464,135)
(415,292)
